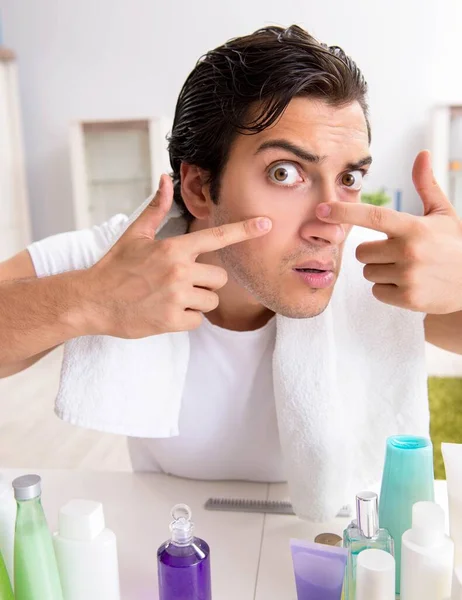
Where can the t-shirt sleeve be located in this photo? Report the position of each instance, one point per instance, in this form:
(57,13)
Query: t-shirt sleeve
(76,249)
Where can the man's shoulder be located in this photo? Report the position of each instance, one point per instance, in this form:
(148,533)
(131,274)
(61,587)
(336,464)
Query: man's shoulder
(75,249)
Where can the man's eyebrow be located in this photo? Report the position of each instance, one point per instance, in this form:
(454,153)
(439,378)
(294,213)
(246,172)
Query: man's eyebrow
(293,148)
(364,162)
(308,156)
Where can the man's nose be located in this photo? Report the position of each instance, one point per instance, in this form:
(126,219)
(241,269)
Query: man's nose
(316,231)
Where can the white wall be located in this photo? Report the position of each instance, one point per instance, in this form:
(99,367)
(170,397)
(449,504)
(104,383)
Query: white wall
(119,58)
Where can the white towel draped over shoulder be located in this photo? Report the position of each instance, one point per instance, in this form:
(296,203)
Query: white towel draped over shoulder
(343,382)
(131,387)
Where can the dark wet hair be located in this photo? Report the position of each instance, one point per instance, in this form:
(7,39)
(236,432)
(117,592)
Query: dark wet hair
(264,70)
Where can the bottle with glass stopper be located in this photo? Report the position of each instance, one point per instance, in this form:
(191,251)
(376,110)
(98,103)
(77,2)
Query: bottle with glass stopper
(184,561)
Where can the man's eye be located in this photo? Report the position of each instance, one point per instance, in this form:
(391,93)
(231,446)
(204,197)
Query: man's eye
(284,174)
(353,180)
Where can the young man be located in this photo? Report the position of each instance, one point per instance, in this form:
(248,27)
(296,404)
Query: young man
(269,149)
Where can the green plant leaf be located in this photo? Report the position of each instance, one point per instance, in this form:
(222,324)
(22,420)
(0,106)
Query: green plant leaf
(379,198)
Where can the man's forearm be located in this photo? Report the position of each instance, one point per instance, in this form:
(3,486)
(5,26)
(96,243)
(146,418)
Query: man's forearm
(39,314)
(445,331)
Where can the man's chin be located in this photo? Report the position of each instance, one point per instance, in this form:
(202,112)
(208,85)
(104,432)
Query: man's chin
(300,313)
(301,310)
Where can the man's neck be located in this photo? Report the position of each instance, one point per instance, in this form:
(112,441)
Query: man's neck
(239,321)
(238,310)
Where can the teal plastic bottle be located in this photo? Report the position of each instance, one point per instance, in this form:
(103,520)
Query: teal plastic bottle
(36,575)
(407,478)
(6,593)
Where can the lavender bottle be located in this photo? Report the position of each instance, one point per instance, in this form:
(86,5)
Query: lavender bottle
(184,561)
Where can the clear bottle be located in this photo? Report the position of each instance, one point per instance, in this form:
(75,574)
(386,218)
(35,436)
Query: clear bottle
(86,552)
(6,593)
(366,535)
(353,525)
(183,562)
(36,575)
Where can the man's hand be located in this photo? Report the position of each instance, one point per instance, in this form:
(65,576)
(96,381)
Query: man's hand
(419,266)
(145,287)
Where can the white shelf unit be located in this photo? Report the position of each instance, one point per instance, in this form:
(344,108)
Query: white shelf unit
(15,229)
(116,165)
(446,148)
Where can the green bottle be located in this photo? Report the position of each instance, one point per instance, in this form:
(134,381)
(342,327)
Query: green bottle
(36,575)
(6,593)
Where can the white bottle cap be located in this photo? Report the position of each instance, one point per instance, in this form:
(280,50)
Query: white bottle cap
(375,575)
(457,584)
(81,520)
(428,523)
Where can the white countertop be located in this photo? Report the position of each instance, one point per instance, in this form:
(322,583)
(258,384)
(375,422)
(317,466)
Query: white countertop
(250,553)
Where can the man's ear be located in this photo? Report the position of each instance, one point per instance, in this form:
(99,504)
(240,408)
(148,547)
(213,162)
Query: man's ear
(195,191)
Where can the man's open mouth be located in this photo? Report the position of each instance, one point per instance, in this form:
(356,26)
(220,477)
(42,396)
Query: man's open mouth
(316,277)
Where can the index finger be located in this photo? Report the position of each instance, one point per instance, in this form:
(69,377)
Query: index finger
(388,221)
(214,238)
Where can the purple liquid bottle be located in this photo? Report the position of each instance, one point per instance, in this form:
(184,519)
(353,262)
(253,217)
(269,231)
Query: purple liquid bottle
(184,561)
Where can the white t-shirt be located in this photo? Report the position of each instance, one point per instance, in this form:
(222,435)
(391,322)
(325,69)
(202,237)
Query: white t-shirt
(228,426)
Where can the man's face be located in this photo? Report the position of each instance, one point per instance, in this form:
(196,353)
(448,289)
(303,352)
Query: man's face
(315,153)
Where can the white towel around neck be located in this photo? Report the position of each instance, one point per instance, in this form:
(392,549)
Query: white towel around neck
(343,382)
